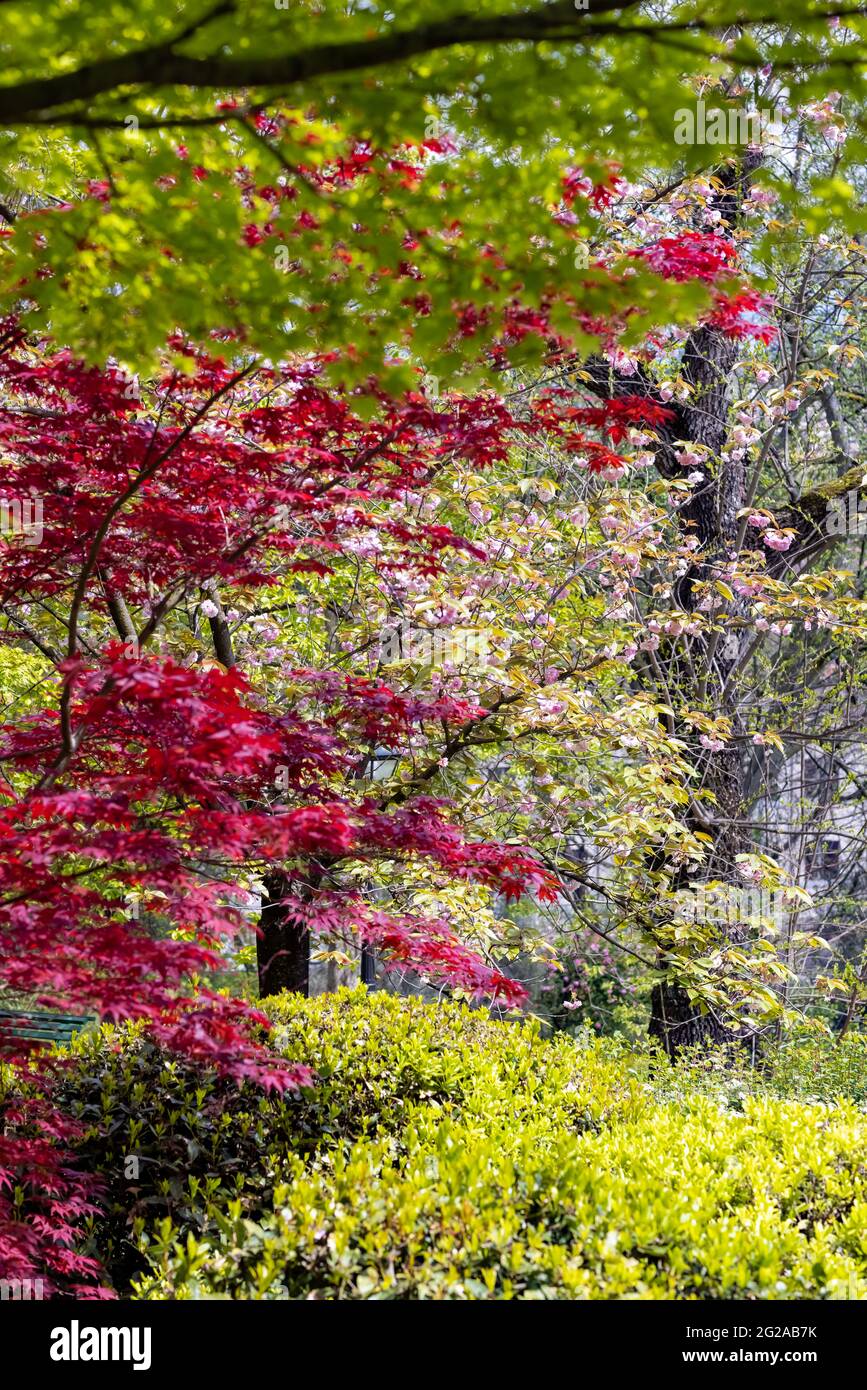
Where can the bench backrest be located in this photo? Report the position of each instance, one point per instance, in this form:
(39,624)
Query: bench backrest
(40,1029)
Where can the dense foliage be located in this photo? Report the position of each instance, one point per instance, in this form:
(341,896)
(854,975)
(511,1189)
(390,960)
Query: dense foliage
(441,1154)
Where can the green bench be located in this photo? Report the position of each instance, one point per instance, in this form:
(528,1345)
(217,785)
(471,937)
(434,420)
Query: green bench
(40,1029)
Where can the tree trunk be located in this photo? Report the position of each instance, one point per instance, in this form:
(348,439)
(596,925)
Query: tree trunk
(283,940)
(712,515)
(674,1020)
(713,518)
(676,1023)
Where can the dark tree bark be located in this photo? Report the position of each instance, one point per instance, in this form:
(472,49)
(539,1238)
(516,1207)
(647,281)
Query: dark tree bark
(283,940)
(711,516)
(676,1023)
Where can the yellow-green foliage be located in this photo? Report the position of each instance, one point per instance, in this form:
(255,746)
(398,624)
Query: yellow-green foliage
(443,1155)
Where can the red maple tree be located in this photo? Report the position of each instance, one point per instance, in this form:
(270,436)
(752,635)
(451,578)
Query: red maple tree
(143,773)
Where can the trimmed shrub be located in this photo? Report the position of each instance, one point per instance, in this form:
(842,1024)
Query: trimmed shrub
(445,1155)
(173,1140)
(697,1205)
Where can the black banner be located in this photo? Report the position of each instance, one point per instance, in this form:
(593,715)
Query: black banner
(68,1342)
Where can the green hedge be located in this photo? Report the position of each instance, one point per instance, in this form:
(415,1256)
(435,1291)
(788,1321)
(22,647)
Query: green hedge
(445,1155)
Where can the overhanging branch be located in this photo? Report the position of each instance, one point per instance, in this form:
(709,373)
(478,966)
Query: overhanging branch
(161,66)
